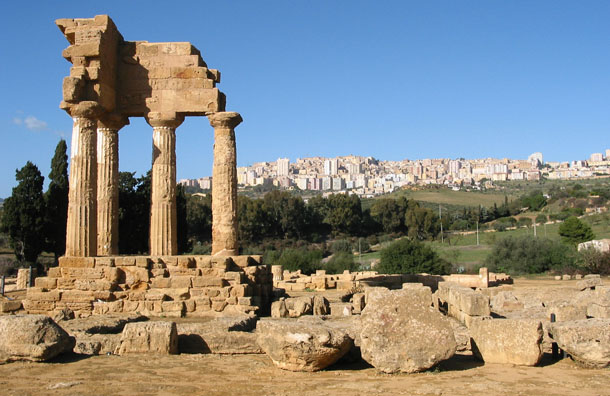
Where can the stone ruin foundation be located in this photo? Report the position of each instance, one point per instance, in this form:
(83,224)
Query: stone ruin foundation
(111,80)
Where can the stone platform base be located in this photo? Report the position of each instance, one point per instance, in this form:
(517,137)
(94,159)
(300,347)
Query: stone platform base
(170,286)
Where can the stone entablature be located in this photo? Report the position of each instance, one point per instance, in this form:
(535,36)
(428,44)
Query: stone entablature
(173,286)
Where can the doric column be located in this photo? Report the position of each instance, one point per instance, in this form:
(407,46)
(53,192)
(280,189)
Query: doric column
(81,230)
(108,183)
(163,219)
(224,184)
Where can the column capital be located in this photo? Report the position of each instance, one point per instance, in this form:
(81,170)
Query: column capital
(86,109)
(112,121)
(225,119)
(164,120)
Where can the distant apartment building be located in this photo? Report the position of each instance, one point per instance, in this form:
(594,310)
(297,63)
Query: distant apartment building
(597,157)
(331,166)
(283,166)
(338,184)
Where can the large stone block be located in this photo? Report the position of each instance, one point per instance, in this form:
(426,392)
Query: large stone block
(149,337)
(586,341)
(510,341)
(32,337)
(393,323)
(301,346)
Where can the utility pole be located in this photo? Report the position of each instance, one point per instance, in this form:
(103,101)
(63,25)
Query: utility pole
(477,232)
(440,217)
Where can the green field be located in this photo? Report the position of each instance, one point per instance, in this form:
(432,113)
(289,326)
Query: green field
(446,196)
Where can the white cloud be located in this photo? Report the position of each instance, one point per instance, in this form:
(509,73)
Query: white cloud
(17,121)
(34,124)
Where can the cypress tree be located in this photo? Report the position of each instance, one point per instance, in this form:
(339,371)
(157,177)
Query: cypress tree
(57,202)
(23,217)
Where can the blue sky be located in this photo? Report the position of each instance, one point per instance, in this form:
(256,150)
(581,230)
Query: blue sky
(390,79)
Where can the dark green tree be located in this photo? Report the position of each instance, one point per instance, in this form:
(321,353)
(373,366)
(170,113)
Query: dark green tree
(525,254)
(24,213)
(199,218)
(388,213)
(411,257)
(134,213)
(344,214)
(56,199)
(574,231)
(184,244)
(422,223)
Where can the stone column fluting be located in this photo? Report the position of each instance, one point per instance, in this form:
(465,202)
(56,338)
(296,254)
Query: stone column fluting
(224,184)
(163,218)
(81,230)
(108,183)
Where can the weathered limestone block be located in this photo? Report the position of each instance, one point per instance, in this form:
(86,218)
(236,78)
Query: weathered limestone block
(32,337)
(358,302)
(589,283)
(586,341)
(301,346)
(402,332)
(219,336)
(149,337)
(340,309)
(224,184)
(299,306)
(321,305)
(510,341)
(567,310)
(23,278)
(46,283)
(279,310)
(9,305)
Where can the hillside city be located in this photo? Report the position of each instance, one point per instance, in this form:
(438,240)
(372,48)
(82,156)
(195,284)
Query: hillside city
(368,177)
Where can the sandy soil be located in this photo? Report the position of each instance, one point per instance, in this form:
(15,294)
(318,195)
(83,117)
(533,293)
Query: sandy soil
(256,375)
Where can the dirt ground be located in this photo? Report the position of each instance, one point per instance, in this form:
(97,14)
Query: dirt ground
(256,375)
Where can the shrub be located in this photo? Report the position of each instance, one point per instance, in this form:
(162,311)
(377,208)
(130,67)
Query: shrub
(524,222)
(308,261)
(595,262)
(340,262)
(524,254)
(341,245)
(541,218)
(411,257)
(201,248)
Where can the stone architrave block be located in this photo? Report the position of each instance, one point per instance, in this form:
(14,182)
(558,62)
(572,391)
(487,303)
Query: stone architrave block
(149,337)
(509,341)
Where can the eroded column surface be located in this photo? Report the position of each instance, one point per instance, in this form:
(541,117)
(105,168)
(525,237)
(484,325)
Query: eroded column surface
(81,230)
(108,184)
(224,184)
(163,219)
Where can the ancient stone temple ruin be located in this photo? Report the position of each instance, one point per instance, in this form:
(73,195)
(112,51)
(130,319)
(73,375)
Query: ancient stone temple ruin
(111,80)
